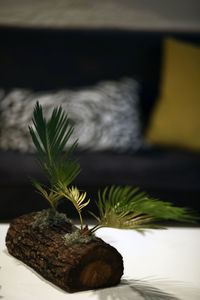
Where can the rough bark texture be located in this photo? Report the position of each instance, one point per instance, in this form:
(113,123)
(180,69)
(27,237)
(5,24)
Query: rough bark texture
(75,267)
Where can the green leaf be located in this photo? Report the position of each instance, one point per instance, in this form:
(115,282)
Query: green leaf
(128,208)
(73,195)
(50,138)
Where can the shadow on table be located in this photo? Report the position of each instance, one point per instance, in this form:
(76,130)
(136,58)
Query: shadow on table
(134,289)
(1,297)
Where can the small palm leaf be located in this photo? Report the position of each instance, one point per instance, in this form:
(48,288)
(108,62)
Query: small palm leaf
(64,172)
(52,197)
(128,208)
(50,138)
(74,196)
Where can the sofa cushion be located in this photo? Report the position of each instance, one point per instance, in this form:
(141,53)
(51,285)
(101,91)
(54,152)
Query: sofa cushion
(175,121)
(106,116)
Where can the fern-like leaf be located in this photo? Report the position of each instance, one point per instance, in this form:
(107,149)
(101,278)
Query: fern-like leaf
(52,197)
(50,137)
(74,195)
(128,208)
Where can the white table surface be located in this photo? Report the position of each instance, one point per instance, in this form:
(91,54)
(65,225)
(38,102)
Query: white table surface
(160,265)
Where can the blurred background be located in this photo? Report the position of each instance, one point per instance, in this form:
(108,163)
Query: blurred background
(118,14)
(126,72)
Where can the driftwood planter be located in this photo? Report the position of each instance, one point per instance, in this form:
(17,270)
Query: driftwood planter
(74,267)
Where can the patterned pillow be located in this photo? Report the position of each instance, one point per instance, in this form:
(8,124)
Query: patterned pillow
(105,116)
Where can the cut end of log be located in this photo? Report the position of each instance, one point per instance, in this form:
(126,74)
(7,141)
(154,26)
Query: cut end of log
(95,274)
(102,266)
(74,267)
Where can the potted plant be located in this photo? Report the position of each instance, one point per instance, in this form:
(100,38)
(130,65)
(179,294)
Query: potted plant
(73,257)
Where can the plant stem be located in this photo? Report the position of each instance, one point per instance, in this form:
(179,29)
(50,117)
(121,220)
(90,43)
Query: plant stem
(81,219)
(96,227)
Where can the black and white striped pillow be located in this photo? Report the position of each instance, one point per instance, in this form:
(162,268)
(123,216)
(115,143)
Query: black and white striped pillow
(105,116)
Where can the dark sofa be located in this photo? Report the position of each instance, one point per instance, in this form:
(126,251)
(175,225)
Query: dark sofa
(55,59)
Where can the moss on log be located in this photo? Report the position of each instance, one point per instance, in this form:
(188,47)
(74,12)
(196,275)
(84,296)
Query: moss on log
(73,267)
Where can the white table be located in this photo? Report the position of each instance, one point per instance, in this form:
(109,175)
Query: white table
(162,264)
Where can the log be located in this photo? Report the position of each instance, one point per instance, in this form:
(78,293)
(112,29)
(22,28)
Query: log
(73,267)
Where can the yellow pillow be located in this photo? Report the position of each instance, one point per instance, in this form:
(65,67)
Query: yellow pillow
(176,119)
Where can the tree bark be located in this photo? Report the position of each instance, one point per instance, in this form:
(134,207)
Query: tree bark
(75,267)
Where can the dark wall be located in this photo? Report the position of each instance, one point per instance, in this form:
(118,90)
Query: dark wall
(44,59)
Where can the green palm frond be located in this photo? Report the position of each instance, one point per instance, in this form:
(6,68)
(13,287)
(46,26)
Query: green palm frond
(128,208)
(52,197)
(50,137)
(74,195)
(64,172)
